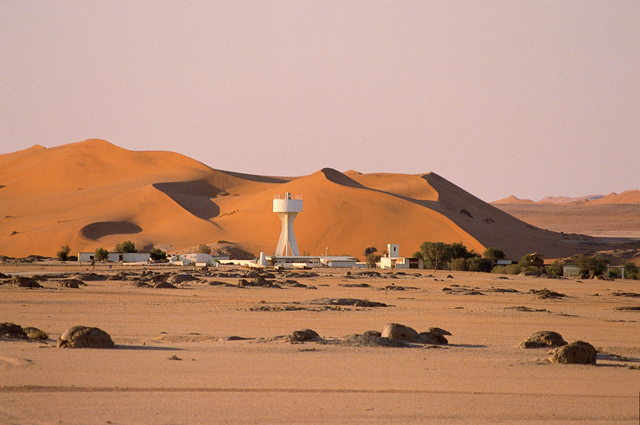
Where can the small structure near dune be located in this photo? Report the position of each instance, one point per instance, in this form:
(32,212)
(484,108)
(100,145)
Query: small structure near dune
(393,260)
(115,257)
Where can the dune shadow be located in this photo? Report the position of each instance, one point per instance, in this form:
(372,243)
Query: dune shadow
(194,196)
(256,178)
(468,345)
(337,177)
(100,229)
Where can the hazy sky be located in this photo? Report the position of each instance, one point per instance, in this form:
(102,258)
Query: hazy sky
(530,98)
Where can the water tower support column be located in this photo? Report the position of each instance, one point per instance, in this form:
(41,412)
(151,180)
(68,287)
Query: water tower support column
(287,209)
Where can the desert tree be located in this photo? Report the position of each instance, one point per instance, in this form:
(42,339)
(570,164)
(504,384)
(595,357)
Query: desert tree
(126,246)
(101,254)
(158,255)
(204,249)
(372,259)
(370,250)
(63,254)
(493,254)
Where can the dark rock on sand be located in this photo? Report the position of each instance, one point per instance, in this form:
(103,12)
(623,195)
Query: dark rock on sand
(432,338)
(71,283)
(88,277)
(303,335)
(544,339)
(35,333)
(578,352)
(625,294)
(439,331)
(372,339)
(12,331)
(180,278)
(85,337)
(347,302)
(546,294)
(163,284)
(24,282)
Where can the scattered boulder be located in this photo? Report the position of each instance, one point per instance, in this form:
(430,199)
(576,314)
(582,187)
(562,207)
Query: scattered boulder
(12,331)
(303,335)
(546,294)
(397,331)
(180,278)
(544,339)
(625,294)
(88,277)
(432,338)
(71,283)
(24,282)
(372,339)
(35,333)
(85,337)
(347,302)
(163,284)
(578,352)
(439,331)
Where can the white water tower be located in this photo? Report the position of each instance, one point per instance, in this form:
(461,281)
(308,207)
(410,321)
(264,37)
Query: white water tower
(287,208)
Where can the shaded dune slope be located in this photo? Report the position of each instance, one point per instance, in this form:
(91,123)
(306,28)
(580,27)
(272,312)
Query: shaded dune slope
(93,193)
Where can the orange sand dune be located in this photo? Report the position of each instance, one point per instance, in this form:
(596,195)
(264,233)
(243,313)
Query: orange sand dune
(513,200)
(94,194)
(628,197)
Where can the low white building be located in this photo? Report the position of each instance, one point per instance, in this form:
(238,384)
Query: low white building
(338,262)
(197,258)
(392,260)
(115,257)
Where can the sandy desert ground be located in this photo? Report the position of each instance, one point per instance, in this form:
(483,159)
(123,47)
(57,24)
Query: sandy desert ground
(176,360)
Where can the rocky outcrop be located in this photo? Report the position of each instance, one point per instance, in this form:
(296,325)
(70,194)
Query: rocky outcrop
(85,337)
(544,339)
(398,331)
(578,352)
(24,282)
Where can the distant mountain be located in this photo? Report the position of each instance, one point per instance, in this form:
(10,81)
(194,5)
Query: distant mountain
(628,197)
(568,200)
(94,194)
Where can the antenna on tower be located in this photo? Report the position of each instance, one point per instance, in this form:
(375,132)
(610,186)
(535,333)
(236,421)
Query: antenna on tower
(287,208)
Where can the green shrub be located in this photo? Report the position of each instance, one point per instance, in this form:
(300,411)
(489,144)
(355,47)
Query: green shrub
(499,269)
(478,264)
(63,254)
(532,270)
(126,246)
(72,258)
(614,274)
(158,255)
(631,270)
(555,269)
(493,254)
(372,259)
(459,264)
(513,269)
(101,254)
(204,249)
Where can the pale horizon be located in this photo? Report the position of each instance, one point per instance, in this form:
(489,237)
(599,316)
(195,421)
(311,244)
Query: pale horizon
(530,99)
